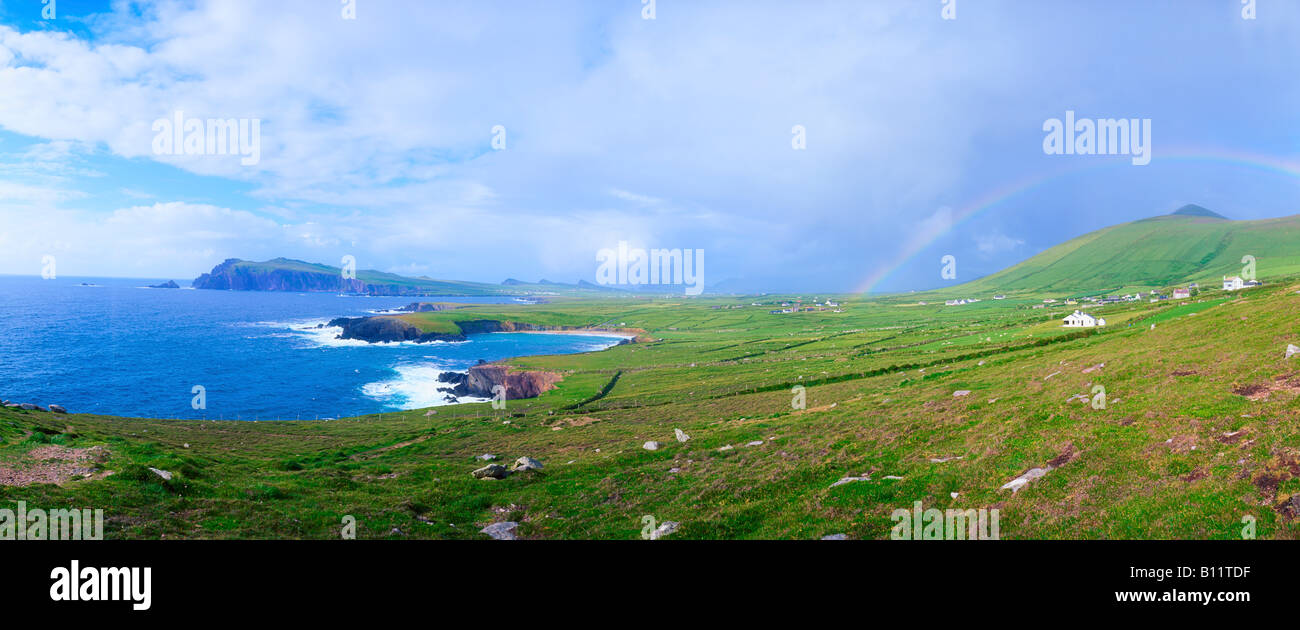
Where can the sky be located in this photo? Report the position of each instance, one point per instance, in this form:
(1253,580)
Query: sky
(490,139)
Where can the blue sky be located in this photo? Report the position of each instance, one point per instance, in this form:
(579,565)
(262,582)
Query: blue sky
(924,135)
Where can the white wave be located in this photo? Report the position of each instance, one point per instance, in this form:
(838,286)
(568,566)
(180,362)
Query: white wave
(414,387)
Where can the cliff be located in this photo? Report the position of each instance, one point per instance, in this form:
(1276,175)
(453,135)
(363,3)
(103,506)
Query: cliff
(392,328)
(284,274)
(483,378)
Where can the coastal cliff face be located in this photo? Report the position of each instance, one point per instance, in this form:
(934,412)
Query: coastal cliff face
(390,329)
(386,329)
(483,378)
(232,276)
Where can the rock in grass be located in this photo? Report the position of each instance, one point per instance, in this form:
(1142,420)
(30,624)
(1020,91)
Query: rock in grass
(167,476)
(1023,480)
(1292,350)
(681,435)
(58,409)
(501,531)
(836,537)
(726,447)
(844,480)
(486,457)
(961,392)
(491,471)
(651,446)
(525,463)
(665,529)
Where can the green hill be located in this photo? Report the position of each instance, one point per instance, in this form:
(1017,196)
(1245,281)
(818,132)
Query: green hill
(1191,245)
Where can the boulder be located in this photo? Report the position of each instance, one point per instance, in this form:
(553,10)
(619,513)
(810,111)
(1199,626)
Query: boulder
(665,529)
(486,457)
(836,537)
(681,435)
(167,476)
(58,409)
(961,392)
(28,407)
(501,531)
(1291,350)
(1023,480)
(491,471)
(525,463)
(651,446)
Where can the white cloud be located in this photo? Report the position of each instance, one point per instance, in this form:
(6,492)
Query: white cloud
(996,243)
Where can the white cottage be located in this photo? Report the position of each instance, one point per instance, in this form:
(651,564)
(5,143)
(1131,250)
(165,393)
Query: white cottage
(1233,284)
(1080,319)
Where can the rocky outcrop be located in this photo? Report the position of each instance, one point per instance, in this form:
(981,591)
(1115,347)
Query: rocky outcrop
(427,307)
(170,284)
(482,379)
(386,329)
(392,328)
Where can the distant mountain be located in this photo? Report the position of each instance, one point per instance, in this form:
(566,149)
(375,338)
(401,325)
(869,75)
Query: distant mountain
(1191,245)
(1193,210)
(285,274)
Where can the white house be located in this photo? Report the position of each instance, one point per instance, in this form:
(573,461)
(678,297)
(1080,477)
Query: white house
(1080,319)
(1233,284)
(1182,294)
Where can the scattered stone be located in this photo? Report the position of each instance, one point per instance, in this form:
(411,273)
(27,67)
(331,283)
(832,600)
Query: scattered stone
(992,400)
(892,477)
(525,463)
(651,446)
(58,409)
(486,457)
(665,529)
(1050,375)
(1023,480)
(755,443)
(185,445)
(952,494)
(1292,350)
(491,471)
(29,407)
(980,363)
(836,537)
(674,470)
(501,531)
(167,476)
(1090,370)
(681,435)
(961,392)
(940,460)
(726,447)
(844,480)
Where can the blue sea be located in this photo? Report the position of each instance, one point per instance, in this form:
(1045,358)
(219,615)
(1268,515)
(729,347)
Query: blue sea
(111,346)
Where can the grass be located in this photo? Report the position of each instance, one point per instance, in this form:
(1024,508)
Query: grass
(879,382)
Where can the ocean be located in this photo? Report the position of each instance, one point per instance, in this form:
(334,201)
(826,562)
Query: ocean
(111,346)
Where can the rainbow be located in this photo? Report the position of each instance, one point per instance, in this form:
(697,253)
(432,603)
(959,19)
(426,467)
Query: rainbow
(929,234)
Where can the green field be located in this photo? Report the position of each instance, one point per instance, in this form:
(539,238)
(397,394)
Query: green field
(1200,429)
(1151,254)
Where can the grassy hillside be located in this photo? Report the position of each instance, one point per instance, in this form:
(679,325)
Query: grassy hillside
(1201,428)
(1152,253)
